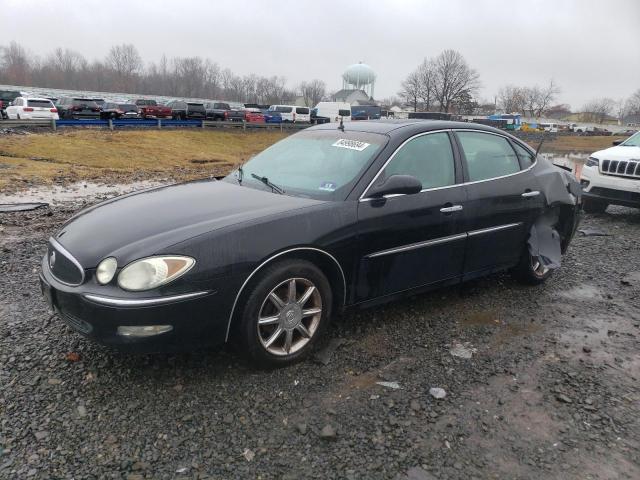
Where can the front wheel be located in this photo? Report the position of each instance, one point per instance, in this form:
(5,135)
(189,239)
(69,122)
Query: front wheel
(531,270)
(284,315)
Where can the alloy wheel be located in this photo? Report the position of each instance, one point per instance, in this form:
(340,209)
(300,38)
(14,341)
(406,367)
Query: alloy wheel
(289,316)
(539,269)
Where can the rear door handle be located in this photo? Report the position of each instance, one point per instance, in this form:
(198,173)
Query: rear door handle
(452,208)
(535,193)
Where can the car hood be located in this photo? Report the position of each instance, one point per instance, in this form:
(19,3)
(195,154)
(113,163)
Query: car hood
(139,224)
(619,152)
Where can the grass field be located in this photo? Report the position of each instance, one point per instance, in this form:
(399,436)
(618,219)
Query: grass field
(104,156)
(566,144)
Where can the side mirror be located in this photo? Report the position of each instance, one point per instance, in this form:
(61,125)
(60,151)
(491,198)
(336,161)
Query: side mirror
(396,185)
(617,142)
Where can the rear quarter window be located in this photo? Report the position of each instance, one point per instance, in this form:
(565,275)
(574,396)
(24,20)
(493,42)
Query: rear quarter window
(302,110)
(527,158)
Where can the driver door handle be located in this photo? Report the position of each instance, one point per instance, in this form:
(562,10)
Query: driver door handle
(452,208)
(535,193)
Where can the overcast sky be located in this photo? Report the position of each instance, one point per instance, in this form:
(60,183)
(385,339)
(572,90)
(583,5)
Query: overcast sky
(590,47)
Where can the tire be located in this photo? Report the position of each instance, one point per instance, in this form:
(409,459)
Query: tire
(594,206)
(298,333)
(530,270)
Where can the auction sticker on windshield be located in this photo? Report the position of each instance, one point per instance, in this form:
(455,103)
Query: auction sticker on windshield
(328,186)
(351,144)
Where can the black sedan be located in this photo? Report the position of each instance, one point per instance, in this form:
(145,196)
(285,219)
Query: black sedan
(326,219)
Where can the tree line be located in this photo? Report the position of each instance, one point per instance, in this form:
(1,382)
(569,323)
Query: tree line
(124,71)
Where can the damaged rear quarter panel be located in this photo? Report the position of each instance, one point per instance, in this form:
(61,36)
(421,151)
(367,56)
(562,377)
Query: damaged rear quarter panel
(553,230)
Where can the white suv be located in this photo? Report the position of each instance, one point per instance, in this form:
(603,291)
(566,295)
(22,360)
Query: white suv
(612,176)
(32,108)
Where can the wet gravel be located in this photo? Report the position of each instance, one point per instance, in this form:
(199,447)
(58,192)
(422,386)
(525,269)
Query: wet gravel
(544,383)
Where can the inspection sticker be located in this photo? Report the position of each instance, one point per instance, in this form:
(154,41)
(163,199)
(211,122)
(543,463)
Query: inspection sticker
(351,144)
(327,186)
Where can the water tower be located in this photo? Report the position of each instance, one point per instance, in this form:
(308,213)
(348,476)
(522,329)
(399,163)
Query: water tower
(359,76)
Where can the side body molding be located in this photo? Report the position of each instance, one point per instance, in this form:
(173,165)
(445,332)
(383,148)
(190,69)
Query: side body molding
(273,257)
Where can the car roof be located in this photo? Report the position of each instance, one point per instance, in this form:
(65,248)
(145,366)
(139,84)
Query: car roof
(386,126)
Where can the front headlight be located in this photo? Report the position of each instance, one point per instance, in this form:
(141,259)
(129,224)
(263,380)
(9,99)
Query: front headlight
(106,270)
(153,272)
(592,162)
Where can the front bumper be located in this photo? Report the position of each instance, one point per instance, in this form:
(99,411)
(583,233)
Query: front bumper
(198,319)
(611,189)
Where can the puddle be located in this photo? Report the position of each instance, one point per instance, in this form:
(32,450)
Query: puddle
(583,293)
(478,319)
(79,192)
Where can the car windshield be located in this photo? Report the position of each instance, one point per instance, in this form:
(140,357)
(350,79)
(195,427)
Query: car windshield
(633,141)
(320,164)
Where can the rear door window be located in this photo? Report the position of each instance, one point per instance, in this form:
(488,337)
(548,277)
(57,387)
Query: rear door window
(344,113)
(429,158)
(40,103)
(488,156)
(302,110)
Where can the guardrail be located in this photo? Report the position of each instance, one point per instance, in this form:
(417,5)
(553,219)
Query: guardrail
(149,123)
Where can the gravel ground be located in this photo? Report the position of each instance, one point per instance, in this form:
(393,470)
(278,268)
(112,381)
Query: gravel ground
(548,389)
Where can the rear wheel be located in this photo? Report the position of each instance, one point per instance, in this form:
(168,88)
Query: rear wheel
(531,270)
(285,313)
(594,206)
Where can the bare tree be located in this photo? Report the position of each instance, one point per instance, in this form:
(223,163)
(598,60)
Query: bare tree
(632,105)
(427,77)
(411,90)
(125,61)
(15,64)
(453,78)
(313,92)
(512,99)
(544,97)
(598,109)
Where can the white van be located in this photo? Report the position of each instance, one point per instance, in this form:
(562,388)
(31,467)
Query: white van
(291,113)
(549,127)
(333,111)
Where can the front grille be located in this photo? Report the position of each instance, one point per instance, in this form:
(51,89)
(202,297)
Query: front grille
(63,266)
(621,168)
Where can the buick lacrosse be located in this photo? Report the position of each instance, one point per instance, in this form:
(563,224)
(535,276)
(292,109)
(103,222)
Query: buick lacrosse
(327,219)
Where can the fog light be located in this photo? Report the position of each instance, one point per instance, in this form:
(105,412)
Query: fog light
(143,330)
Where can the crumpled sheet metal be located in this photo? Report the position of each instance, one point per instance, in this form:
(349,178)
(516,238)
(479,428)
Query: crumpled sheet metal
(544,242)
(560,188)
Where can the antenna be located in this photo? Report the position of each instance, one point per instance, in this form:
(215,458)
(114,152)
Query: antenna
(540,145)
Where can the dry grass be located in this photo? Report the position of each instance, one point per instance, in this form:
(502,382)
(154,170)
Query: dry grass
(567,144)
(113,156)
(124,156)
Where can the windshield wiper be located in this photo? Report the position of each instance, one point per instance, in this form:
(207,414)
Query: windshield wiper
(266,181)
(240,175)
